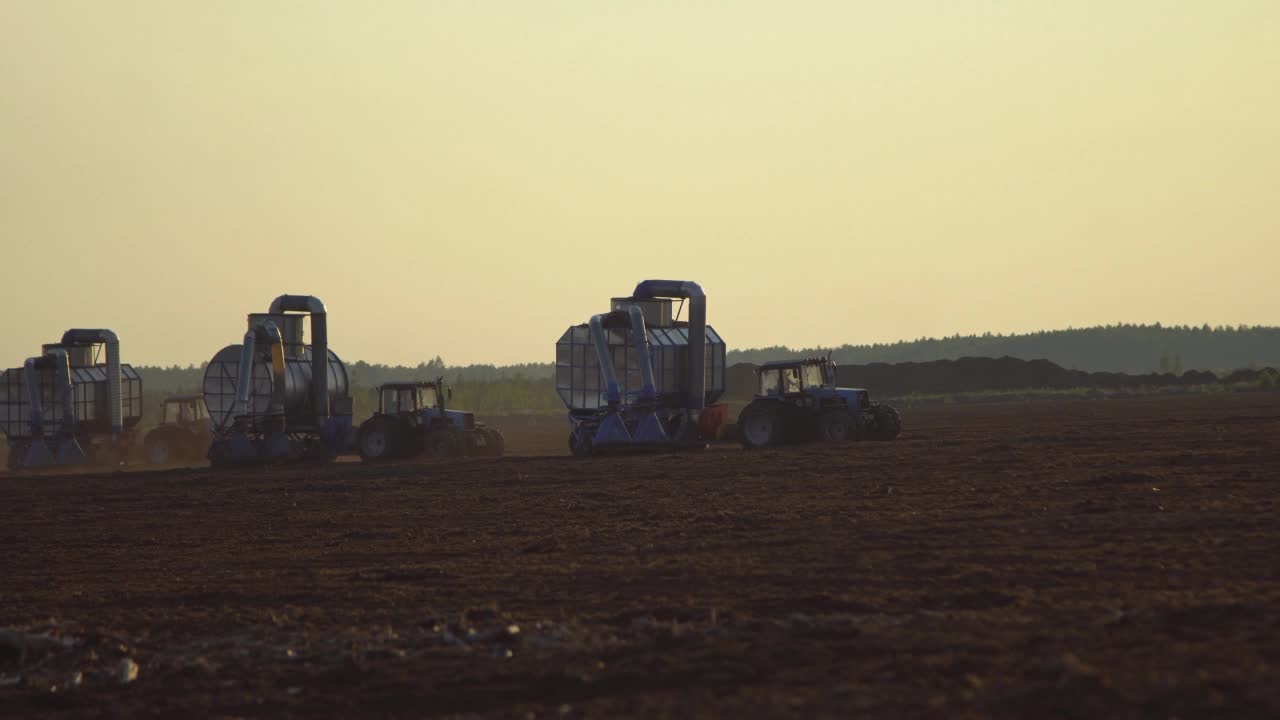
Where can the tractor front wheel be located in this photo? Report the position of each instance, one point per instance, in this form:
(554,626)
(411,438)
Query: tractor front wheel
(836,426)
(580,447)
(761,425)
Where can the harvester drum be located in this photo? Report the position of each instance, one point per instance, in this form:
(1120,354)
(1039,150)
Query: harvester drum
(64,407)
(274,397)
(636,378)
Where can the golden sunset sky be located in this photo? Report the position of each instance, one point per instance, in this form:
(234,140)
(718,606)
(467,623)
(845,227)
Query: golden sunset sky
(469,178)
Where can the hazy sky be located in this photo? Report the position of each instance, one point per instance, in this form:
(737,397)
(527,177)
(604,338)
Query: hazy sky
(469,178)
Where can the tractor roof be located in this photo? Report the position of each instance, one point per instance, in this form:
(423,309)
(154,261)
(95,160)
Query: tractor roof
(408,384)
(793,363)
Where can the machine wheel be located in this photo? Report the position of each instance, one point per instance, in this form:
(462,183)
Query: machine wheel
(888,423)
(163,446)
(443,443)
(377,441)
(836,426)
(580,449)
(16,452)
(494,442)
(761,425)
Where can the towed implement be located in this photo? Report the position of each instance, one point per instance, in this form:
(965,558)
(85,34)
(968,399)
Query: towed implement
(275,397)
(64,407)
(638,379)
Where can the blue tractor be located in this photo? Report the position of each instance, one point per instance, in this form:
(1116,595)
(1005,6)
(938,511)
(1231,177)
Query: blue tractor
(798,401)
(412,420)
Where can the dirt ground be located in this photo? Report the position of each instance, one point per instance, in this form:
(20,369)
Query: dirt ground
(1058,559)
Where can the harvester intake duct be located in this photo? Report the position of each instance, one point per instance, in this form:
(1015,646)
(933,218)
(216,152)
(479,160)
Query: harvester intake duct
(33,393)
(697,330)
(62,378)
(640,336)
(113,368)
(319,345)
(606,359)
(244,381)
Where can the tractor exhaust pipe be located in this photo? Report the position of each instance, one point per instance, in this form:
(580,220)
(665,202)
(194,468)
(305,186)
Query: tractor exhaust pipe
(319,345)
(113,369)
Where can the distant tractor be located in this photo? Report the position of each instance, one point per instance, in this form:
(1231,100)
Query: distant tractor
(797,401)
(184,432)
(412,419)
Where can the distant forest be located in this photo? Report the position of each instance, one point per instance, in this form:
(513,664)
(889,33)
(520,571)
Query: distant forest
(1134,349)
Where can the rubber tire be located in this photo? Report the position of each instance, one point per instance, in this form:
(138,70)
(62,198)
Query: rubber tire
(837,426)
(17,450)
(495,443)
(761,425)
(888,423)
(378,441)
(580,450)
(163,446)
(443,443)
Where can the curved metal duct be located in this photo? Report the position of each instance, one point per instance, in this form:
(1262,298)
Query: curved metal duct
(113,368)
(244,379)
(276,341)
(640,336)
(606,359)
(33,394)
(690,290)
(62,376)
(319,345)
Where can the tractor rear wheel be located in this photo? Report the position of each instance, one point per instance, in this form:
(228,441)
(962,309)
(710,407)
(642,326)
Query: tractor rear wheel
(377,441)
(494,442)
(163,446)
(443,443)
(888,423)
(761,425)
(580,448)
(836,426)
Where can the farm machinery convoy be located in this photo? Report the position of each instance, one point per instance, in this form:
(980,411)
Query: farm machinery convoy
(634,379)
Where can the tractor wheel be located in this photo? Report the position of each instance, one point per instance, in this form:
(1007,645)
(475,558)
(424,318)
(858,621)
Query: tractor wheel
(163,446)
(377,441)
(836,426)
(580,449)
(443,443)
(888,423)
(494,443)
(761,425)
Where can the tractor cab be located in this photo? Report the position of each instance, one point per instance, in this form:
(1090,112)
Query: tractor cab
(183,410)
(794,377)
(408,398)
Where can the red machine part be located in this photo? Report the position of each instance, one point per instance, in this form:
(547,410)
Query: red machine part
(711,419)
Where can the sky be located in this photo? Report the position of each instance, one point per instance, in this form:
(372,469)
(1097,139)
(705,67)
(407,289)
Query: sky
(467,179)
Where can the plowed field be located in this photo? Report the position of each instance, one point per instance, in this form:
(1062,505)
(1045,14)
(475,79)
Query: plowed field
(1060,559)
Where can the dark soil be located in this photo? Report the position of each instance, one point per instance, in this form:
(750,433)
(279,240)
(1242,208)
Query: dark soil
(1058,559)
